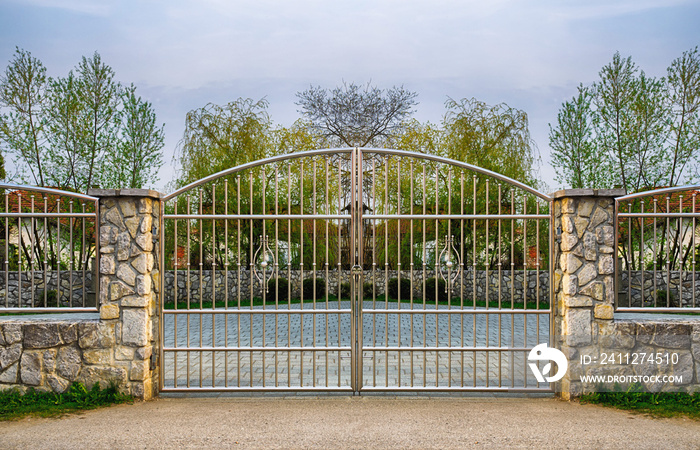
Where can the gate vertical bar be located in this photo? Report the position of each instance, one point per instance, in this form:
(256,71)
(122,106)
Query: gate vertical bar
(353,306)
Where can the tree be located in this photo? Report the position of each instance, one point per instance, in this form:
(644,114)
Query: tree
(356,115)
(23,95)
(683,89)
(496,138)
(138,157)
(629,129)
(220,137)
(62,132)
(573,149)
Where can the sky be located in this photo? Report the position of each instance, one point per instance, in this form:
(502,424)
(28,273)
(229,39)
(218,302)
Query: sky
(182,55)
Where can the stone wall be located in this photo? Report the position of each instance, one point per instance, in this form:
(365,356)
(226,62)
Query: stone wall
(632,338)
(653,286)
(378,279)
(34,285)
(49,355)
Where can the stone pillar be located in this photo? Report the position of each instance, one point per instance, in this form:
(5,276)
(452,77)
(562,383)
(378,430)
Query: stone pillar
(584,252)
(129,280)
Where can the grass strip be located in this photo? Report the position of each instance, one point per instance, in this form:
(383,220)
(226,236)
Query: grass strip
(660,404)
(15,405)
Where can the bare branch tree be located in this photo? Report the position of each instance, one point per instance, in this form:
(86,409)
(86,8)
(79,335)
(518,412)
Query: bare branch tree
(356,115)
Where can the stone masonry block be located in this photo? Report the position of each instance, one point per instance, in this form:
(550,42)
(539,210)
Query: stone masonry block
(603,312)
(31,368)
(95,335)
(569,285)
(118,290)
(132,224)
(126,274)
(587,273)
(109,311)
(135,327)
(577,326)
(107,264)
(128,207)
(143,284)
(41,335)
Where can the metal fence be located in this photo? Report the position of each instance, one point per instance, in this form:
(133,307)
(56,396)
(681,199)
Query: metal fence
(657,241)
(48,243)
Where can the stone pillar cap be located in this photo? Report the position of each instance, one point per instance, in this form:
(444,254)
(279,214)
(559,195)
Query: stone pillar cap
(124,193)
(588,193)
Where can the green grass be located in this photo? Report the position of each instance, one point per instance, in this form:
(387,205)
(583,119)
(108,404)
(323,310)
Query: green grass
(233,303)
(15,405)
(662,404)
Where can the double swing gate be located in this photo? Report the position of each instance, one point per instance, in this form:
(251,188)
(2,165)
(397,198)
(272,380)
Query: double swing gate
(354,270)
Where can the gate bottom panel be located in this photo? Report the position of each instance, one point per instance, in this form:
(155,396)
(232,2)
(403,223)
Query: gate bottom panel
(401,349)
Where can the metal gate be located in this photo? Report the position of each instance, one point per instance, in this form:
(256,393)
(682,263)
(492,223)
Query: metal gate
(354,270)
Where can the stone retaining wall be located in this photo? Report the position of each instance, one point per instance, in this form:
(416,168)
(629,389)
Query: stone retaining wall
(654,287)
(378,279)
(34,285)
(49,355)
(631,338)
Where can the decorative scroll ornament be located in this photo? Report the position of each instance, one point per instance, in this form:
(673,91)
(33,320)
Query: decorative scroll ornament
(450,263)
(266,263)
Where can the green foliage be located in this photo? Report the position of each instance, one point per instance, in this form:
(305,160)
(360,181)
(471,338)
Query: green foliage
(393,288)
(14,405)
(631,130)
(666,298)
(220,137)
(51,297)
(661,404)
(367,291)
(77,131)
(345,290)
(496,138)
(282,292)
(309,284)
(430,289)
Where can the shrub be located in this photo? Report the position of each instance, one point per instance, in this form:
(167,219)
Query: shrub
(430,289)
(661,299)
(345,290)
(366,290)
(282,293)
(393,288)
(309,288)
(51,298)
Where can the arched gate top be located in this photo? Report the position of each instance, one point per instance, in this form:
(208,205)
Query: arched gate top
(381,151)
